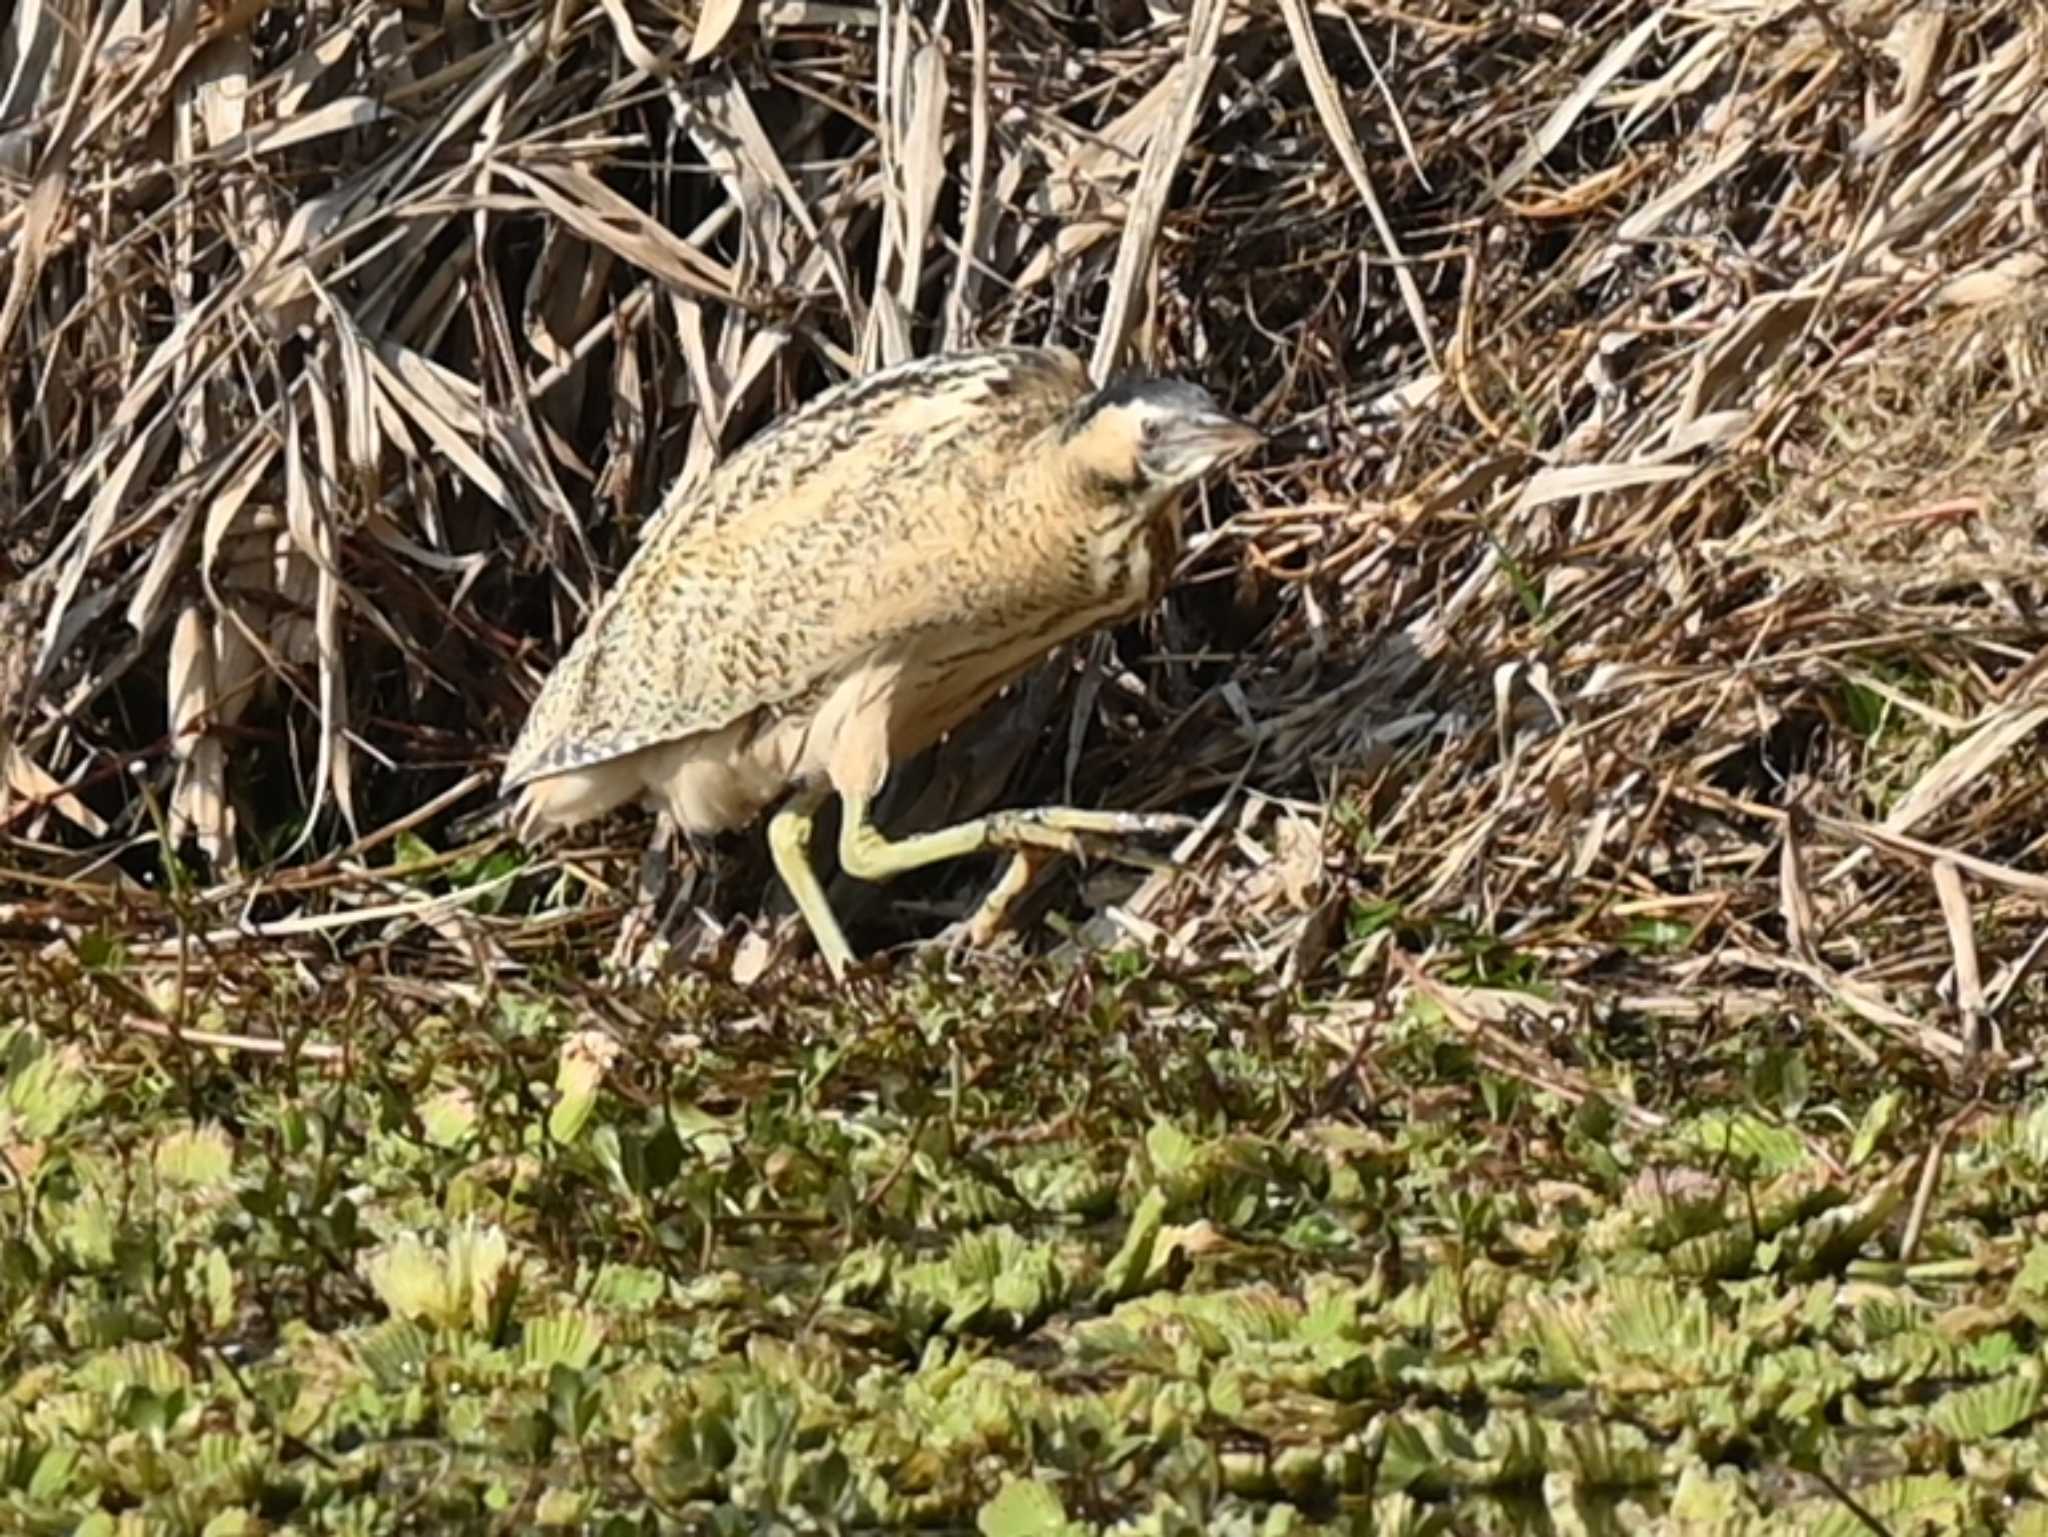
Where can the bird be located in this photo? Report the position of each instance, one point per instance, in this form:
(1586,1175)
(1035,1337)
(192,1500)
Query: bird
(856,581)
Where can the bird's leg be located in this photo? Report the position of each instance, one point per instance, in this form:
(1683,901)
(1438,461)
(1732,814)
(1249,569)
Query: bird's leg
(979,927)
(865,853)
(636,950)
(789,844)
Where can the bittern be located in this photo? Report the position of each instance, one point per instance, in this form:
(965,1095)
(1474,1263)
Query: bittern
(855,582)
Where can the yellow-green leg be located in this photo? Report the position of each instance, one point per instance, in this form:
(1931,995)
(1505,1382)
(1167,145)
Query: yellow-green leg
(979,927)
(864,852)
(789,844)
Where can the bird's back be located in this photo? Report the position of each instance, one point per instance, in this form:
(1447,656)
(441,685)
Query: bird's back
(843,523)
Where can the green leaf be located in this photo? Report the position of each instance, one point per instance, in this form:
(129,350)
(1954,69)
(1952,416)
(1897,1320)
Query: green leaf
(53,1474)
(1989,1409)
(564,1339)
(1933,1504)
(1023,1507)
(1775,1149)
(2032,1280)
(469,1281)
(579,1072)
(196,1158)
(1171,1150)
(1125,1274)
(395,1353)
(1710,1500)
(1876,1121)
(628,1288)
(449,1117)
(409,848)
(43,1088)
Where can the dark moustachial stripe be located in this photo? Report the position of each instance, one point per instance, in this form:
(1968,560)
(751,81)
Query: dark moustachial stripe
(1118,488)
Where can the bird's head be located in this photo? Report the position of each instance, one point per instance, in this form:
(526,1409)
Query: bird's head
(1144,439)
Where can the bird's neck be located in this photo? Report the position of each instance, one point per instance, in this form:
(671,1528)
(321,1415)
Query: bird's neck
(1126,541)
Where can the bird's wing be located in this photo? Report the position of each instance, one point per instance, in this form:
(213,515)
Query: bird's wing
(768,582)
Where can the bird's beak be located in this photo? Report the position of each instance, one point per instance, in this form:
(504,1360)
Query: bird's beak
(1223,437)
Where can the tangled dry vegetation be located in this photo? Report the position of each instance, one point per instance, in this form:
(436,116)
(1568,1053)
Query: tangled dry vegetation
(1641,594)
(1557,1097)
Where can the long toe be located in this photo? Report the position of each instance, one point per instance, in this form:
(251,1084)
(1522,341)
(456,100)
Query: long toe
(1116,849)
(1137,824)
(1107,824)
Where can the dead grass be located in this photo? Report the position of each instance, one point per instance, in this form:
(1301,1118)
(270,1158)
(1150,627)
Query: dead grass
(1643,589)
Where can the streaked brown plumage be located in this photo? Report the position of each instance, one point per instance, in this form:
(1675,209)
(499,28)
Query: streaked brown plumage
(855,582)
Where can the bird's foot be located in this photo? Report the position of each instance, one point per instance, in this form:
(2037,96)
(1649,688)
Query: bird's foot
(1102,834)
(1039,837)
